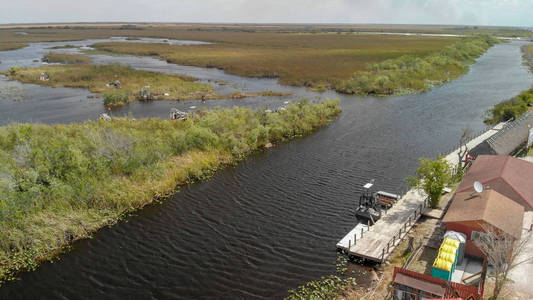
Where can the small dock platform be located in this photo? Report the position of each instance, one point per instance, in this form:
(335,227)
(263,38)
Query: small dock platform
(355,234)
(376,242)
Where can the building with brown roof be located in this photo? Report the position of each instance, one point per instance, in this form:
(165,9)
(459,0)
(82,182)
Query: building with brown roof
(470,212)
(511,177)
(511,137)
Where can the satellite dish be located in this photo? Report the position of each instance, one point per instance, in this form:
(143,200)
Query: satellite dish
(478,187)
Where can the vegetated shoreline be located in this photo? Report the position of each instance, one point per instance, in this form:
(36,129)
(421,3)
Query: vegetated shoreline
(97,79)
(308,65)
(61,183)
(396,76)
(528,54)
(66,58)
(12,46)
(515,107)
(411,74)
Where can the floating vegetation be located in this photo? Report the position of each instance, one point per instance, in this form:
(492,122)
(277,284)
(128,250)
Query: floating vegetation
(64,47)
(12,93)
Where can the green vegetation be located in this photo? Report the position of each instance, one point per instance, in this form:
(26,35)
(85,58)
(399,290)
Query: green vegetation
(528,55)
(529,49)
(432,176)
(96,78)
(328,288)
(513,108)
(61,183)
(64,47)
(313,60)
(11,46)
(12,93)
(408,74)
(67,58)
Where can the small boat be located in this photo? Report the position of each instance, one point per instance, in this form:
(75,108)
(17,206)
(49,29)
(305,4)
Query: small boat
(371,205)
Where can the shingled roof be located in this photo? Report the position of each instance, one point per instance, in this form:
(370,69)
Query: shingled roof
(508,139)
(489,206)
(511,177)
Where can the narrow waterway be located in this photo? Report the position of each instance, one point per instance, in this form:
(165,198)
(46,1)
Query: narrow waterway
(271,223)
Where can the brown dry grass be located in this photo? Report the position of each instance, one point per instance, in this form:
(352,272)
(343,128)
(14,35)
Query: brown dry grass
(296,59)
(11,46)
(67,58)
(95,78)
(316,28)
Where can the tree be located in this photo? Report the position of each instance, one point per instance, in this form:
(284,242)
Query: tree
(503,253)
(463,150)
(432,177)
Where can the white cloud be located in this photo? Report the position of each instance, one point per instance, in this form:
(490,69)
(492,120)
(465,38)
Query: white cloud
(482,12)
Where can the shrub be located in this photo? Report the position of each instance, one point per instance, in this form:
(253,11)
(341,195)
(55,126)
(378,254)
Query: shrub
(116,98)
(513,108)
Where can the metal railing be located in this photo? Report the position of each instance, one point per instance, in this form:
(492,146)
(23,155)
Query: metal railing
(411,220)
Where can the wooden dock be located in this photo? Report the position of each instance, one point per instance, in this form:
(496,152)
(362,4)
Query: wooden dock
(377,242)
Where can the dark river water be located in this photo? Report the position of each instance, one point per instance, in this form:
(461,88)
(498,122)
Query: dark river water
(271,223)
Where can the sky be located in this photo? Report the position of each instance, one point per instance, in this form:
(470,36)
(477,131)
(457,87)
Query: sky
(468,12)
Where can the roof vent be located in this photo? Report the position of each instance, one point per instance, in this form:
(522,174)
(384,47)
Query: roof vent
(478,187)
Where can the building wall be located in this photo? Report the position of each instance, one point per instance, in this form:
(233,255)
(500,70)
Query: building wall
(467,228)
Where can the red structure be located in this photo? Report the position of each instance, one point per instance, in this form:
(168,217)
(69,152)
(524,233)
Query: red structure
(413,286)
(470,212)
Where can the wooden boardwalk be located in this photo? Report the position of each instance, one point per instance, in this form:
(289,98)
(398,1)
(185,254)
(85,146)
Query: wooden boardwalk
(377,242)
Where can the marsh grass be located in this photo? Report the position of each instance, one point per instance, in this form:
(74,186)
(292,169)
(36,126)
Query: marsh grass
(96,77)
(61,183)
(67,58)
(411,74)
(509,109)
(12,93)
(529,48)
(295,59)
(64,47)
(11,46)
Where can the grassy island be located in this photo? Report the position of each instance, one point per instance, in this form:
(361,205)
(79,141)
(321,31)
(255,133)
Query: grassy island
(314,60)
(101,79)
(382,65)
(61,183)
(12,46)
(411,74)
(96,78)
(66,58)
